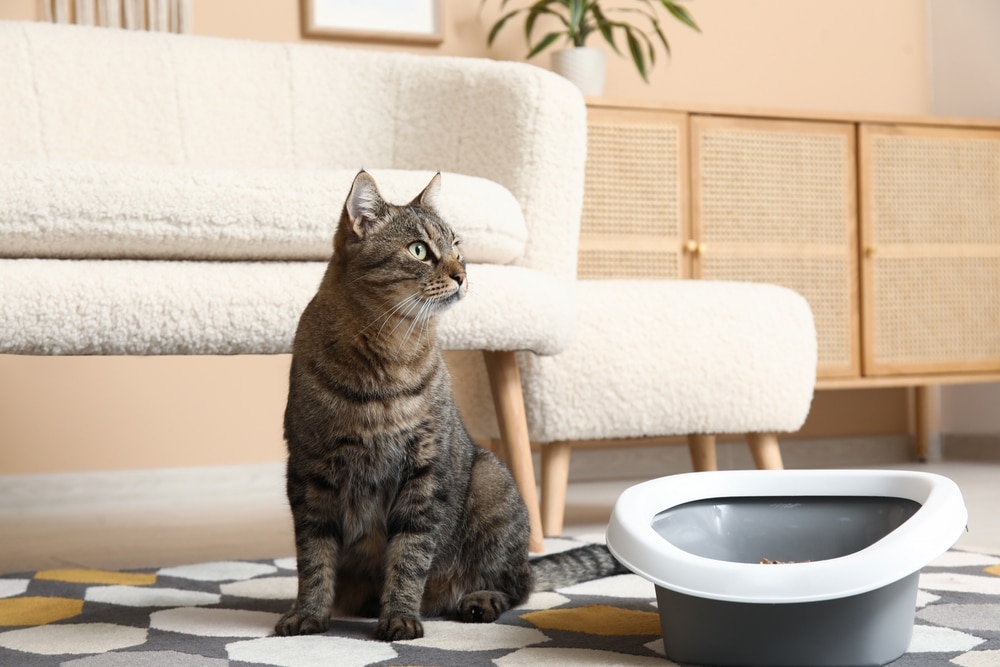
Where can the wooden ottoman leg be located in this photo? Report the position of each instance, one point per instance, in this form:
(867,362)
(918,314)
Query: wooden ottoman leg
(505,383)
(702,450)
(555,477)
(765,451)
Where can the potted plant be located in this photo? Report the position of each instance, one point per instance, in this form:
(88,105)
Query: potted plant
(639,25)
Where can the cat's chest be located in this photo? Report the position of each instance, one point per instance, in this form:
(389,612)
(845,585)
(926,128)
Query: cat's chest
(366,466)
(366,483)
(376,407)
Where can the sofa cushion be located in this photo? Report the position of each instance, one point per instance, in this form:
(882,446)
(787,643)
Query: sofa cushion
(52,306)
(657,358)
(93,210)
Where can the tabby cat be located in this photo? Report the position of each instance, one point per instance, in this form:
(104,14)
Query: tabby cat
(397,512)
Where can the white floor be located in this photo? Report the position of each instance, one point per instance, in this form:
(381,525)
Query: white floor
(158,518)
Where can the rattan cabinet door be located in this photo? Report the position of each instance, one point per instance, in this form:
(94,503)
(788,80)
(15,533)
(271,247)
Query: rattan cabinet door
(930,226)
(775,201)
(635,194)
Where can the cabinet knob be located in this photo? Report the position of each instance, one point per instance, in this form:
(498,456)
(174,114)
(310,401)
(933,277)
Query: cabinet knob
(870,251)
(693,247)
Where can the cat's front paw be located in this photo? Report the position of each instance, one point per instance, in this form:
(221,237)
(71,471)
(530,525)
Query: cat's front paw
(297,622)
(482,606)
(399,628)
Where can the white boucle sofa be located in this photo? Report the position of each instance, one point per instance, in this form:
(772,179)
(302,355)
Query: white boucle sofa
(165,194)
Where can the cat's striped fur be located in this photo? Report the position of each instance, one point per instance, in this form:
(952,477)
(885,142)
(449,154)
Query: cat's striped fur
(397,512)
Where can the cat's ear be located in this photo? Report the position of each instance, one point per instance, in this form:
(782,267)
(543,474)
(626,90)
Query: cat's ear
(364,206)
(429,197)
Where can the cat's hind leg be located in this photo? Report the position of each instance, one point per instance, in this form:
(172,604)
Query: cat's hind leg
(482,606)
(495,546)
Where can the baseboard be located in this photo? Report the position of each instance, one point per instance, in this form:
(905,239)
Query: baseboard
(641,462)
(121,488)
(266,481)
(984,447)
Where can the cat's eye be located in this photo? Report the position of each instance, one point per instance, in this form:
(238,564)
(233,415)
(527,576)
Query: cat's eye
(418,250)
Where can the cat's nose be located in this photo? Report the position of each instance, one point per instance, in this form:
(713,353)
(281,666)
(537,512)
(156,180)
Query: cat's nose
(458,277)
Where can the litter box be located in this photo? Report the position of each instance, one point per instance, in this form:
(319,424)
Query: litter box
(795,568)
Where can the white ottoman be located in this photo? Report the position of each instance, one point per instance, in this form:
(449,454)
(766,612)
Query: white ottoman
(659,358)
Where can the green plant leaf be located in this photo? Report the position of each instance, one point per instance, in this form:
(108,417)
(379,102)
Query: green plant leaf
(545,43)
(534,12)
(663,38)
(605,27)
(650,48)
(576,14)
(498,26)
(529,24)
(537,10)
(649,16)
(681,14)
(580,18)
(637,56)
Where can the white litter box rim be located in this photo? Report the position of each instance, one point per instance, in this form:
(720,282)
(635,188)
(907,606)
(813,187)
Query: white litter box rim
(932,530)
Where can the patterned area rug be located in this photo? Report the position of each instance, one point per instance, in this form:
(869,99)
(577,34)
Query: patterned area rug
(221,615)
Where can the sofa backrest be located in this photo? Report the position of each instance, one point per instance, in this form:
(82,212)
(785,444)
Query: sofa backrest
(96,94)
(84,209)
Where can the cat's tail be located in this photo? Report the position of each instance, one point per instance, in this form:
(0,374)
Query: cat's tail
(575,566)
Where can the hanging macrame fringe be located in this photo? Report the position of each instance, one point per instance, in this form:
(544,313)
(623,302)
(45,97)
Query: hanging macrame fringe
(160,15)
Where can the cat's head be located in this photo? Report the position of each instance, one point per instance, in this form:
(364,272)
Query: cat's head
(405,255)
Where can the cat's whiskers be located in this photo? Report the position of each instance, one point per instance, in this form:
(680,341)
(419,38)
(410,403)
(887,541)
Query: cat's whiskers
(387,315)
(428,309)
(422,318)
(384,317)
(417,303)
(424,326)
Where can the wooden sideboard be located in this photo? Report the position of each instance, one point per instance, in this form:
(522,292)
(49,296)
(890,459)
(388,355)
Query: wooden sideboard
(889,227)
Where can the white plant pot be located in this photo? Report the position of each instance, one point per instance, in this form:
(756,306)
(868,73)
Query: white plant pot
(584,66)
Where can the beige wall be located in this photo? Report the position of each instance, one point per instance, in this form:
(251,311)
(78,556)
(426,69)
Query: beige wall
(965,81)
(850,56)
(964,49)
(62,414)
(111,413)
(59,414)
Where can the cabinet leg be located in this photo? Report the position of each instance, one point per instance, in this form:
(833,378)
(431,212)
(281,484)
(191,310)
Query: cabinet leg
(702,450)
(926,422)
(765,451)
(505,383)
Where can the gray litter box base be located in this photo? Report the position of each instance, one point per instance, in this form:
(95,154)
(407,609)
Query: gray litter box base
(870,629)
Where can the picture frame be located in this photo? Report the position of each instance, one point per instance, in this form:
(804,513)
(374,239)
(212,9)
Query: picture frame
(399,21)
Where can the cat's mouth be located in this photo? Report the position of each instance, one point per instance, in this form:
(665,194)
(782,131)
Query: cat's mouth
(442,299)
(442,302)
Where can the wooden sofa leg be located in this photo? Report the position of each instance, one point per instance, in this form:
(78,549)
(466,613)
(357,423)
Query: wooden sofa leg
(505,383)
(702,450)
(765,451)
(555,478)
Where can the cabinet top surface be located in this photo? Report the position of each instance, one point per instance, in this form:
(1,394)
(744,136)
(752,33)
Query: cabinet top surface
(781,114)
